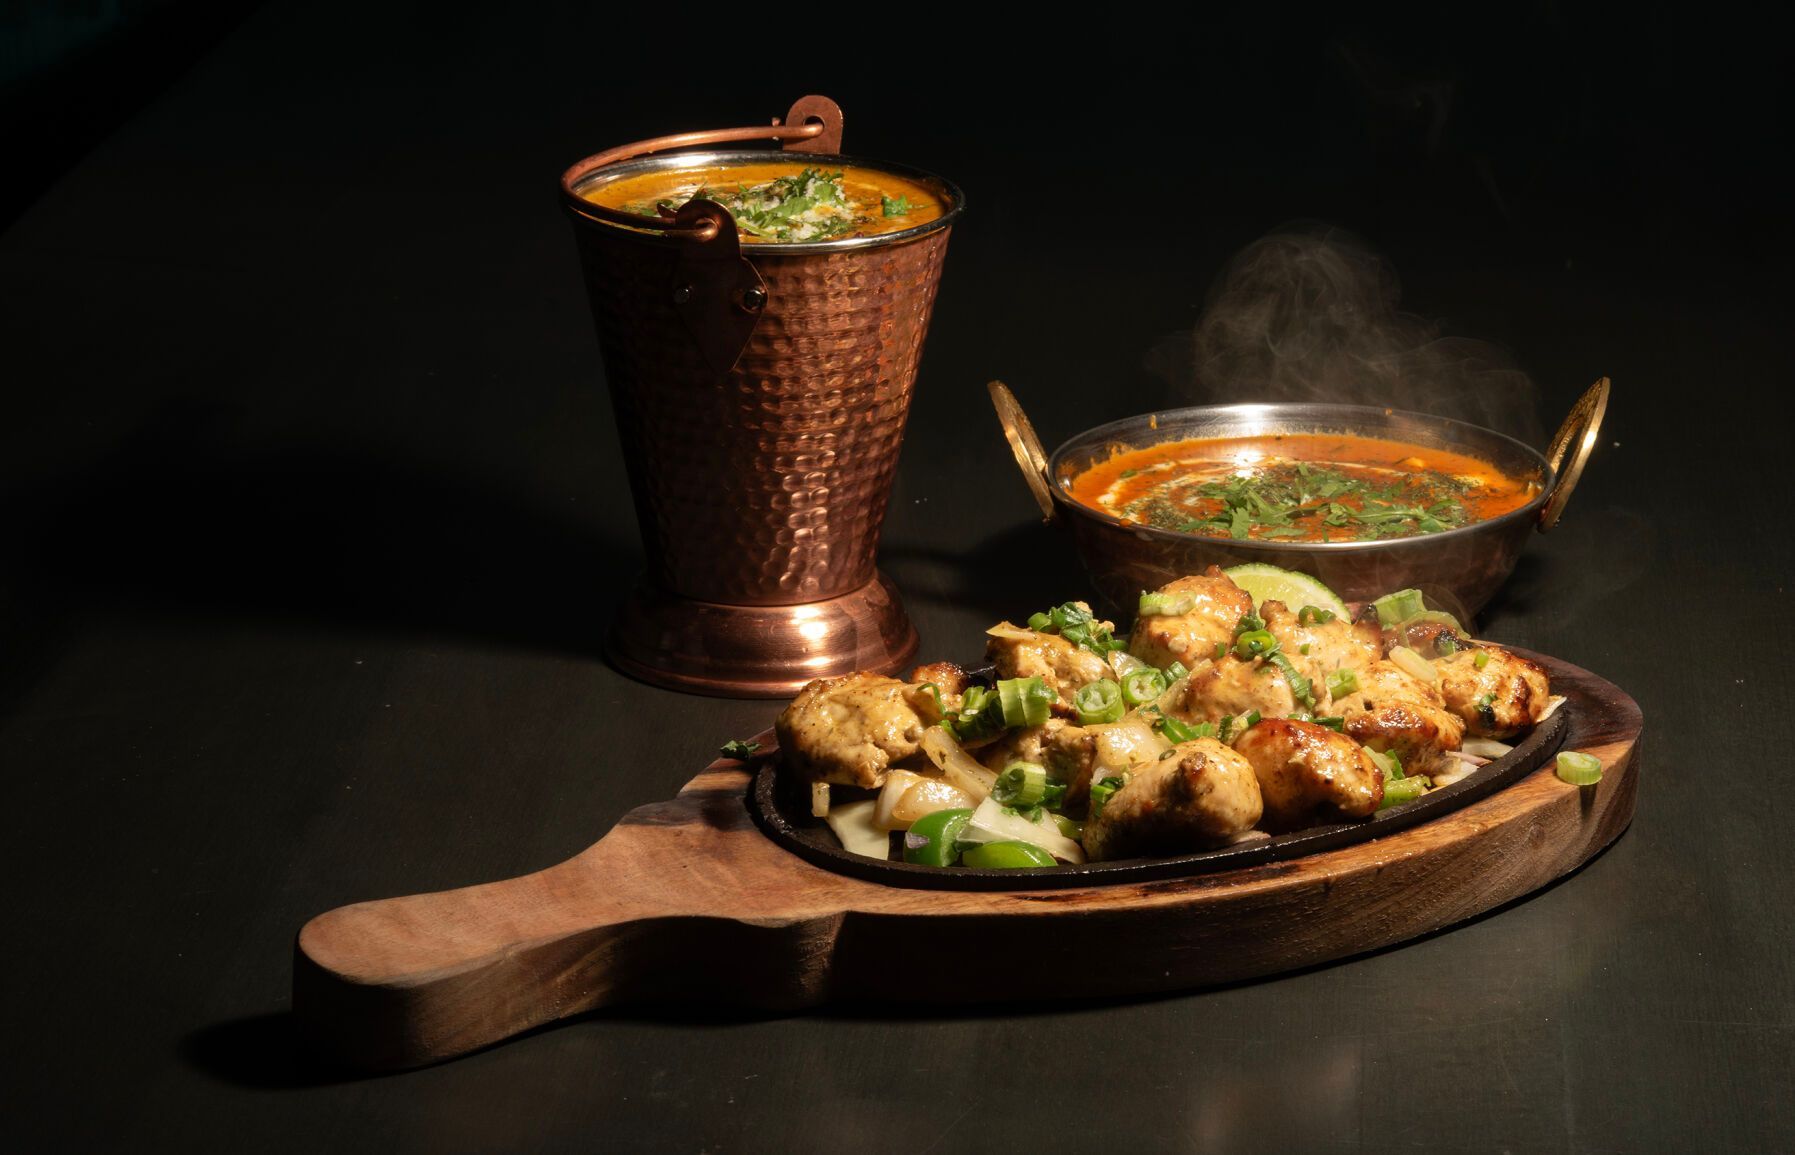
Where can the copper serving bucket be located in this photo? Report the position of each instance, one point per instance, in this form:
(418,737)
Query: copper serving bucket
(761,393)
(1458,569)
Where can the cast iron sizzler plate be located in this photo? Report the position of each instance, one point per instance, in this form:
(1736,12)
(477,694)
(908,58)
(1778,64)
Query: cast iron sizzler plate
(782,809)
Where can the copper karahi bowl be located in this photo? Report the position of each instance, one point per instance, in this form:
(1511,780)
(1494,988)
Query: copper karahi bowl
(1458,569)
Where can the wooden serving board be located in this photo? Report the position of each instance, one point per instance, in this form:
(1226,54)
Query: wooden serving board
(688,900)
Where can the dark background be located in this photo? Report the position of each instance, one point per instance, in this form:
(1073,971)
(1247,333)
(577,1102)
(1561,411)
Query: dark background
(314,517)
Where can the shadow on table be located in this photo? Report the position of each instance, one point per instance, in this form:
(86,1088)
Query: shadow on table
(261,1052)
(183,520)
(264,1052)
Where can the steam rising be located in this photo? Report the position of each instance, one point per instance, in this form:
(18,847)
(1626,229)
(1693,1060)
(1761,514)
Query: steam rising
(1309,313)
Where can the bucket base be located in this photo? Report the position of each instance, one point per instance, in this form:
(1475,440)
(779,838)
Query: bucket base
(759,651)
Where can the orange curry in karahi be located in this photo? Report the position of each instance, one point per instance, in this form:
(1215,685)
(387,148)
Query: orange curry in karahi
(1300,487)
(782,203)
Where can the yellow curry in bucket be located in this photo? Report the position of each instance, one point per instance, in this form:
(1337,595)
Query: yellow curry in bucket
(1300,487)
(782,203)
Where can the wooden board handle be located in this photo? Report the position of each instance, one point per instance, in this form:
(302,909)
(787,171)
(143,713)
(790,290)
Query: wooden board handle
(636,917)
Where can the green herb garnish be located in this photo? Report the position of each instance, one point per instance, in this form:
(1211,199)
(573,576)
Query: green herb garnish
(740,750)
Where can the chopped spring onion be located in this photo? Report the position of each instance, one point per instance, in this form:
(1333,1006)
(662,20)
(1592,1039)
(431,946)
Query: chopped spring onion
(1102,791)
(1314,616)
(1253,643)
(1074,622)
(1099,702)
(1221,650)
(1224,730)
(1155,604)
(1579,769)
(1176,731)
(1143,686)
(1342,683)
(1445,646)
(1402,790)
(1482,659)
(1394,609)
(1300,687)
(1251,720)
(1248,623)
(932,693)
(1024,701)
(1175,671)
(1414,665)
(1021,784)
(1389,762)
(980,716)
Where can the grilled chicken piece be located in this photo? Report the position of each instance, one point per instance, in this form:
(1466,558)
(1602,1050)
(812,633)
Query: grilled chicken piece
(949,680)
(1310,774)
(1393,711)
(1234,687)
(1161,639)
(849,730)
(1201,796)
(1501,700)
(1336,645)
(1065,668)
(1068,752)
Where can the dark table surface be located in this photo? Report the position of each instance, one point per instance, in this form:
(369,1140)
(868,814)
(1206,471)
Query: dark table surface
(315,517)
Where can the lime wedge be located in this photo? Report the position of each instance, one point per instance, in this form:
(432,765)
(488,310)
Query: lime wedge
(1295,590)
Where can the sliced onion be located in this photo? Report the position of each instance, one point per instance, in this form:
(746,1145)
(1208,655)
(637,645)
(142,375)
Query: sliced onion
(960,769)
(1486,747)
(1448,777)
(896,783)
(1012,632)
(1414,665)
(992,823)
(1552,704)
(1126,744)
(927,796)
(1124,663)
(853,824)
(1246,836)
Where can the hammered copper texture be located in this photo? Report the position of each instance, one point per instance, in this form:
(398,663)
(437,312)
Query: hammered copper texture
(765,485)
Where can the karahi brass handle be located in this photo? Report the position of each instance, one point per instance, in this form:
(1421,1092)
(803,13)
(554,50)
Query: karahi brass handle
(1031,458)
(1571,448)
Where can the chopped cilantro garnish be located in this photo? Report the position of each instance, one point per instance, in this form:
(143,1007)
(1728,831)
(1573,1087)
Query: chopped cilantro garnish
(806,206)
(739,749)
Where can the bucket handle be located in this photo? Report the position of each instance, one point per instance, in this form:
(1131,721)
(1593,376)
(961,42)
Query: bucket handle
(812,125)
